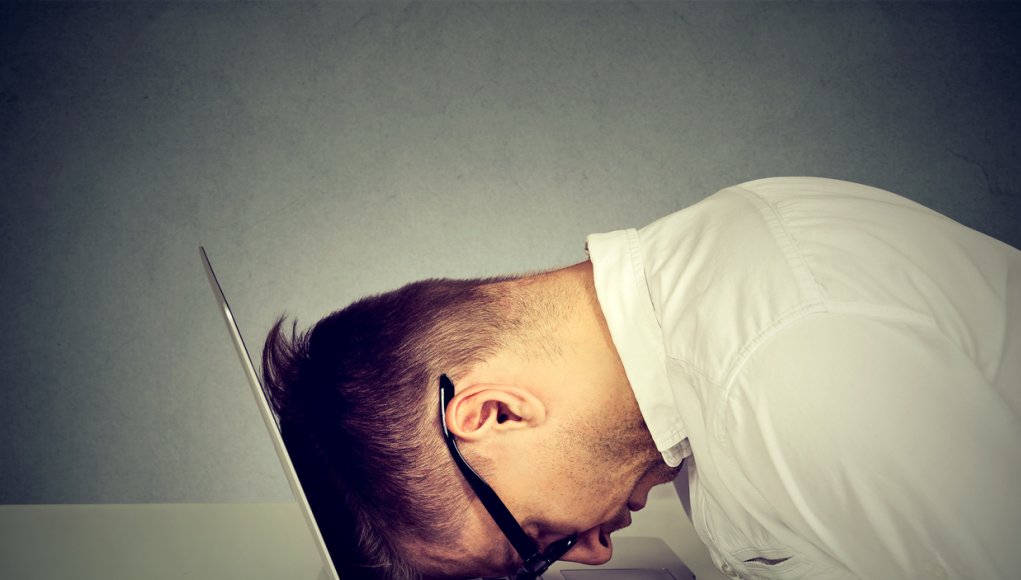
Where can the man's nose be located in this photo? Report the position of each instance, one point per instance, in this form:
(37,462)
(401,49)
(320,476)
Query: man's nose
(593,547)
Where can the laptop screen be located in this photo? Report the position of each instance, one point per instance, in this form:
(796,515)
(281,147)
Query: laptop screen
(330,570)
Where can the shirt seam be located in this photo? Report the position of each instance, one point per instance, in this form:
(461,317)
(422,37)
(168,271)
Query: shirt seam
(816,299)
(794,260)
(788,245)
(788,319)
(721,416)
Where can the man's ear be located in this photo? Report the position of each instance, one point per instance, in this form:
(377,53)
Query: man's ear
(486,409)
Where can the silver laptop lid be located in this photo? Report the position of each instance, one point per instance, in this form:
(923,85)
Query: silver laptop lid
(268,418)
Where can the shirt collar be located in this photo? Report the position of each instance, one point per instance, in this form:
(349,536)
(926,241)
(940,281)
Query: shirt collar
(623,293)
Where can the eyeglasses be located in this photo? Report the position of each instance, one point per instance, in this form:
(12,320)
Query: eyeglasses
(535,561)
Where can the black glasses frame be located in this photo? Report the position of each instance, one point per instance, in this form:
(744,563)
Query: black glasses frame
(535,560)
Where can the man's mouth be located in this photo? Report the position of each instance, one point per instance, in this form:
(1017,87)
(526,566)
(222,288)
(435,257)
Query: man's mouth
(620,522)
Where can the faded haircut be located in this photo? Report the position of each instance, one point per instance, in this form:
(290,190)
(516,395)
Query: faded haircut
(357,396)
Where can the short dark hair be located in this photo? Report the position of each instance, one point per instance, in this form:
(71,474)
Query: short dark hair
(356,396)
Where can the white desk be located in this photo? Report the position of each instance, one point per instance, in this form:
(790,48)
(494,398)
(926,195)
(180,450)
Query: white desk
(266,541)
(247,541)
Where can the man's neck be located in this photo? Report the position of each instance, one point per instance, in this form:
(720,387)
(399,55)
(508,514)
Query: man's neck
(587,356)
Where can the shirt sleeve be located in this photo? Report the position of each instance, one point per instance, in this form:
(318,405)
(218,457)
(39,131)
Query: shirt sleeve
(879,442)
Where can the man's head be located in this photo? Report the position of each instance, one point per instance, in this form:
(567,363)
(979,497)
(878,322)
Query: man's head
(542,411)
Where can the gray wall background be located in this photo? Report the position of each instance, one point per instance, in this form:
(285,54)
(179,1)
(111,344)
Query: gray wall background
(325,151)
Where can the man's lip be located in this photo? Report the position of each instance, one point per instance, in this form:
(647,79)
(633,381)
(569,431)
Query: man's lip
(619,523)
(635,506)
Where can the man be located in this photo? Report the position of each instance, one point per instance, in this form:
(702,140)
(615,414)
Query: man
(836,368)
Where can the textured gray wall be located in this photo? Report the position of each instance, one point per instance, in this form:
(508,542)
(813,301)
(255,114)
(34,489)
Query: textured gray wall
(322,152)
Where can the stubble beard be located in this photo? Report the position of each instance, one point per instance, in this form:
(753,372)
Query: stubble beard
(613,453)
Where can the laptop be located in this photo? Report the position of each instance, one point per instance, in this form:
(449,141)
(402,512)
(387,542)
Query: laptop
(329,571)
(635,558)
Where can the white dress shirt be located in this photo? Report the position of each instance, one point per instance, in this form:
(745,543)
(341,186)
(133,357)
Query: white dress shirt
(844,367)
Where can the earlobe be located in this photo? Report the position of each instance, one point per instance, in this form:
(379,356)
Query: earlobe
(482,410)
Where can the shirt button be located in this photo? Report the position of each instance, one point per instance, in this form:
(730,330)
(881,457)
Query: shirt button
(729,570)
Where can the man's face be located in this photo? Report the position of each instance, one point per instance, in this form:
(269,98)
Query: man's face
(584,475)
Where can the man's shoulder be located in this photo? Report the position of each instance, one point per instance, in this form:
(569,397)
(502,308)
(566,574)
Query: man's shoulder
(719,275)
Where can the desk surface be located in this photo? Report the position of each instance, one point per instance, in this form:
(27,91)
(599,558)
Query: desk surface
(252,541)
(156,542)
